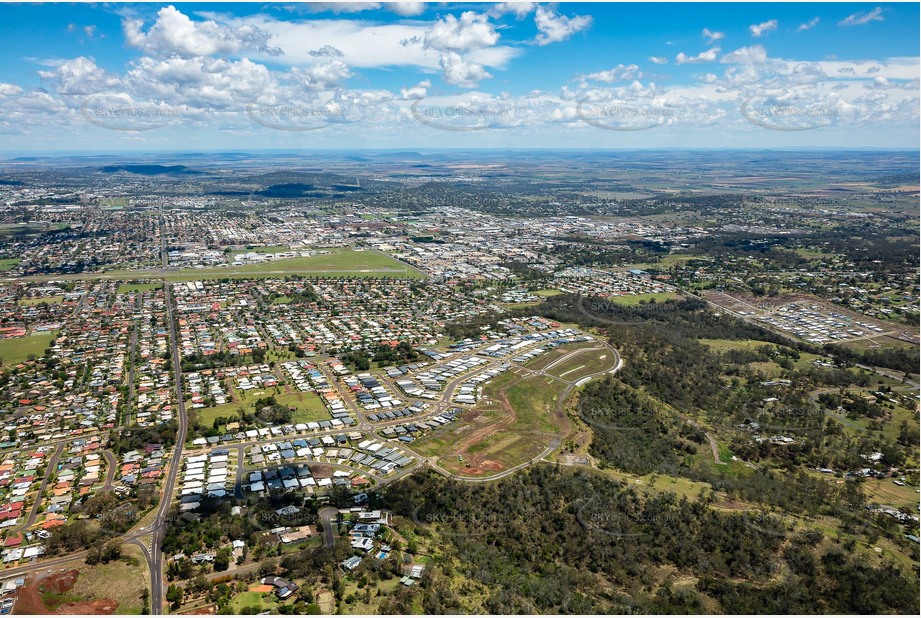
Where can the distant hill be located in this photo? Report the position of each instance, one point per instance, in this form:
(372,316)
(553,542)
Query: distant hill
(148,170)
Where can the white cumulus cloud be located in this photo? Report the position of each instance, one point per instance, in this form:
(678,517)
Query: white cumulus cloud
(324,75)
(754,54)
(470,31)
(80,76)
(712,36)
(704,56)
(174,33)
(519,9)
(459,72)
(554,27)
(9,90)
(763,28)
(419,91)
(627,72)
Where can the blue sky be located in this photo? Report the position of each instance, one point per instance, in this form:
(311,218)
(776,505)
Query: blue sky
(396,75)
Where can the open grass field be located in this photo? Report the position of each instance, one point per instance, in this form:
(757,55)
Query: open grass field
(253,599)
(583,363)
(359,606)
(25,229)
(636,299)
(885,491)
(308,406)
(337,263)
(31,302)
(533,399)
(722,345)
(499,451)
(548,358)
(532,303)
(114,202)
(119,581)
(653,483)
(810,254)
(8,264)
(114,588)
(17,350)
(667,261)
(878,342)
(130,288)
(513,423)
(515,420)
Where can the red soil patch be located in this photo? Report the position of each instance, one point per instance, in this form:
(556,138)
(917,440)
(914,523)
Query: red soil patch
(100,607)
(29,600)
(476,466)
(59,582)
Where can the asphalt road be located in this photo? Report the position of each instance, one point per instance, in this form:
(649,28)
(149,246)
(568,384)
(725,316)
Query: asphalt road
(158,528)
(326,515)
(49,472)
(111,469)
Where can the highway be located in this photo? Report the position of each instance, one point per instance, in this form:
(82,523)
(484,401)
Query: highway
(158,528)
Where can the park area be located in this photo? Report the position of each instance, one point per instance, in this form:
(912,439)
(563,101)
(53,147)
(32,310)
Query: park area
(19,349)
(306,406)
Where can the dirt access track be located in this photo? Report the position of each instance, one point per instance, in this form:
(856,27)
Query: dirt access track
(56,586)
